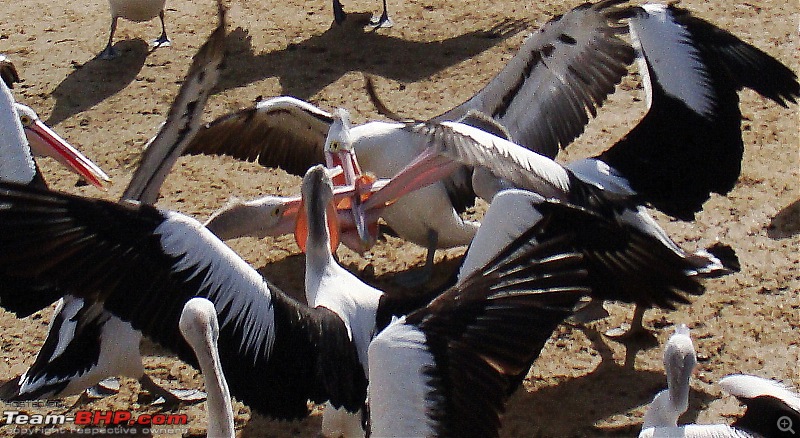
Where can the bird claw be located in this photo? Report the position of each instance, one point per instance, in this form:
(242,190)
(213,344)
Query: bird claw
(161,41)
(108,53)
(382,22)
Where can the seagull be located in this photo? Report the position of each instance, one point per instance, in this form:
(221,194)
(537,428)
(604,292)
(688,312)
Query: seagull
(23,134)
(200,328)
(580,50)
(86,343)
(138,11)
(772,408)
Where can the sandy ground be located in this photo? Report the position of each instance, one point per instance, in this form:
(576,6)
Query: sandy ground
(439,53)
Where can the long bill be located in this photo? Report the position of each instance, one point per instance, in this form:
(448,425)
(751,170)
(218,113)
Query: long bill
(44,141)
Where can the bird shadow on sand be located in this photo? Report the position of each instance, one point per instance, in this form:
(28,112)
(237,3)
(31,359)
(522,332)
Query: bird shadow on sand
(786,223)
(97,79)
(307,67)
(574,406)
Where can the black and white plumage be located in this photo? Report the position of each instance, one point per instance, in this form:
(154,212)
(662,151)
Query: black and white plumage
(447,369)
(143,265)
(581,47)
(138,11)
(689,144)
(85,343)
(772,408)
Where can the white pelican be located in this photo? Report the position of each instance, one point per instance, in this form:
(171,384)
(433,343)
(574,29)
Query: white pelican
(138,11)
(23,135)
(200,327)
(85,343)
(559,76)
(143,264)
(773,410)
(689,144)
(8,73)
(447,369)
(680,361)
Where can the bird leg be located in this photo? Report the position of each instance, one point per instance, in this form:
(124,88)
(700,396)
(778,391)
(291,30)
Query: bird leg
(383,21)
(163,40)
(109,52)
(591,311)
(338,12)
(418,277)
(636,334)
(170,397)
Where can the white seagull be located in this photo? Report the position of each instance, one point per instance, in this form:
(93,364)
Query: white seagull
(560,75)
(772,408)
(85,343)
(138,11)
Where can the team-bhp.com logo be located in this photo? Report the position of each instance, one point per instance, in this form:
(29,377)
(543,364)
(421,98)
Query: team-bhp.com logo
(108,422)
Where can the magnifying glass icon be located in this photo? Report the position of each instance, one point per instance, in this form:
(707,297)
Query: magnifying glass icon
(785,424)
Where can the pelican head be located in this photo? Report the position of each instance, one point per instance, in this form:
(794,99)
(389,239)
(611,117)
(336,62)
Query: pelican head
(44,142)
(339,148)
(267,216)
(318,218)
(679,363)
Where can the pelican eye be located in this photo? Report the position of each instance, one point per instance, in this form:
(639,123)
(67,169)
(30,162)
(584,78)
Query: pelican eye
(276,211)
(25,120)
(335,145)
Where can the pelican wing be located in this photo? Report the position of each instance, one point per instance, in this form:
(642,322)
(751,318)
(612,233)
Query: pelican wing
(143,264)
(183,119)
(71,349)
(692,72)
(486,331)
(746,65)
(767,401)
(559,77)
(474,147)
(280,132)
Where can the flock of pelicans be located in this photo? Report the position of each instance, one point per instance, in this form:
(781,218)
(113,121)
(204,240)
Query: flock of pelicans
(442,362)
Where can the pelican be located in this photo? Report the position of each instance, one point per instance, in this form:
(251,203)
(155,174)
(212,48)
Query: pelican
(772,408)
(86,343)
(138,11)
(689,143)
(8,73)
(23,134)
(582,48)
(447,369)
(200,328)
(680,361)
